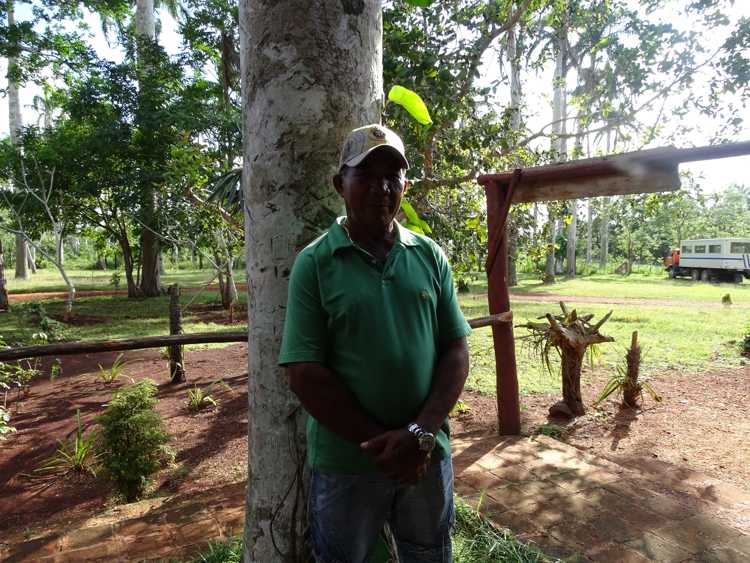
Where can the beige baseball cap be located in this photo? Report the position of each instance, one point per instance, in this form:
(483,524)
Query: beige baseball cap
(363,140)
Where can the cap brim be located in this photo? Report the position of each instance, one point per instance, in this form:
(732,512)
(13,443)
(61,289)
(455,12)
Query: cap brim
(357,160)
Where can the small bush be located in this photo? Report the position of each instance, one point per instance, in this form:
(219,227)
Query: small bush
(745,344)
(5,427)
(108,376)
(132,438)
(199,399)
(221,551)
(77,456)
(115,279)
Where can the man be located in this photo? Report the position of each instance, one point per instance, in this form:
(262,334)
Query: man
(375,348)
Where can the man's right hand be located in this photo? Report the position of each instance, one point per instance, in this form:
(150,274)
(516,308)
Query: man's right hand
(396,453)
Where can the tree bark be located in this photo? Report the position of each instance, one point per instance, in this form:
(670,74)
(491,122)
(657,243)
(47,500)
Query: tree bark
(515,122)
(589,231)
(572,361)
(150,283)
(549,267)
(604,234)
(311,71)
(15,123)
(3,283)
(22,258)
(571,248)
(176,360)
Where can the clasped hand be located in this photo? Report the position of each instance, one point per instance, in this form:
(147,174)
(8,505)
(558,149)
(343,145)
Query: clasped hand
(396,453)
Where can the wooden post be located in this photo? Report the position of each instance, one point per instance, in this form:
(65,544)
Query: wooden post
(508,406)
(3,286)
(176,362)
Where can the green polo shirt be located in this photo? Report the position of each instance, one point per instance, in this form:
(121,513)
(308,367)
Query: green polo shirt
(377,326)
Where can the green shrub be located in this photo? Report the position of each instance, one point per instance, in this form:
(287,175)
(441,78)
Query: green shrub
(77,456)
(198,399)
(5,427)
(132,438)
(745,344)
(221,551)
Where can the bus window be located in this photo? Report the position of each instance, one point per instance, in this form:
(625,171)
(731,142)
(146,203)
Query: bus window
(714,249)
(700,248)
(687,249)
(740,248)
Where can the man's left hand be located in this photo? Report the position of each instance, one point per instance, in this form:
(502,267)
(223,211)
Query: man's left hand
(397,454)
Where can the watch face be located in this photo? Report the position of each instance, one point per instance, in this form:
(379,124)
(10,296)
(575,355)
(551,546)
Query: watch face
(426,442)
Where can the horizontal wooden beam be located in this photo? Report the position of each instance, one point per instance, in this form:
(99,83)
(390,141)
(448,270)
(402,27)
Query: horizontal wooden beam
(649,181)
(98,346)
(506,317)
(646,171)
(93,346)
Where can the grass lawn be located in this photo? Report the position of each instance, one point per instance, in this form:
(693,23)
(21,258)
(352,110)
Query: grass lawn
(635,286)
(694,338)
(48,279)
(673,338)
(125,318)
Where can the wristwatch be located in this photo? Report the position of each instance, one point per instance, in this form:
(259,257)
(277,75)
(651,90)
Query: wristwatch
(425,439)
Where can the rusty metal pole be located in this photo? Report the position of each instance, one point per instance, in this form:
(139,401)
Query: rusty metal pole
(508,406)
(176,360)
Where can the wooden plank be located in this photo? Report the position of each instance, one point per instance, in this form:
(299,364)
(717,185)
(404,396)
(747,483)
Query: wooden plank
(646,181)
(492,320)
(67,348)
(96,346)
(508,403)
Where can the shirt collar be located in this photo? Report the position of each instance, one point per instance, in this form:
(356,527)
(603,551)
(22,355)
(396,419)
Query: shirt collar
(339,236)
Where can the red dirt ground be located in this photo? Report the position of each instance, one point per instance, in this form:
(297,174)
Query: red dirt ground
(703,424)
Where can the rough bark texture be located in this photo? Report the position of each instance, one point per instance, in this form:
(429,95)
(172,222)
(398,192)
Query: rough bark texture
(604,234)
(571,248)
(176,362)
(150,286)
(572,361)
(3,283)
(311,71)
(14,124)
(549,267)
(631,391)
(516,99)
(589,231)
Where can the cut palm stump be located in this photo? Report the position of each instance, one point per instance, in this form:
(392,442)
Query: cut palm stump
(570,336)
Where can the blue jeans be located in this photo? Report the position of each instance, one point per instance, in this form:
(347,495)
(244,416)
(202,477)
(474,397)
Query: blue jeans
(347,513)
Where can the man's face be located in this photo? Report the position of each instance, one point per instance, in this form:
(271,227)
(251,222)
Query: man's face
(373,190)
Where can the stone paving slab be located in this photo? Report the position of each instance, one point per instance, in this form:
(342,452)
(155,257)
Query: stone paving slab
(578,506)
(571,504)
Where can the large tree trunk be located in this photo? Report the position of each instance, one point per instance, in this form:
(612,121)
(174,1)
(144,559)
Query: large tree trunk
(22,257)
(549,267)
(311,71)
(604,234)
(3,284)
(15,124)
(589,232)
(572,362)
(571,248)
(150,284)
(516,99)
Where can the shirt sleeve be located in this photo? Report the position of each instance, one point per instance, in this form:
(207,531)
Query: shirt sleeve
(451,321)
(305,335)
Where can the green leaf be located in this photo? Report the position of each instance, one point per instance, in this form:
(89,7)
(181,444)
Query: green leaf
(411,102)
(413,221)
(420,3)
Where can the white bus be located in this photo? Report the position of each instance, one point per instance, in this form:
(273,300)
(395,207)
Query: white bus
(709,259)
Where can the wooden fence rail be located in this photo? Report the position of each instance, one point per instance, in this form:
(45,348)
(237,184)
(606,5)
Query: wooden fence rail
(68,348)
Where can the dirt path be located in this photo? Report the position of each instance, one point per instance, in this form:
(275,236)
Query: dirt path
(554,297)
(538,297)
(39,296)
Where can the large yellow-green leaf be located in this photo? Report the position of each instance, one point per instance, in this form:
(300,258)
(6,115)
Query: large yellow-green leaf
(411,102)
